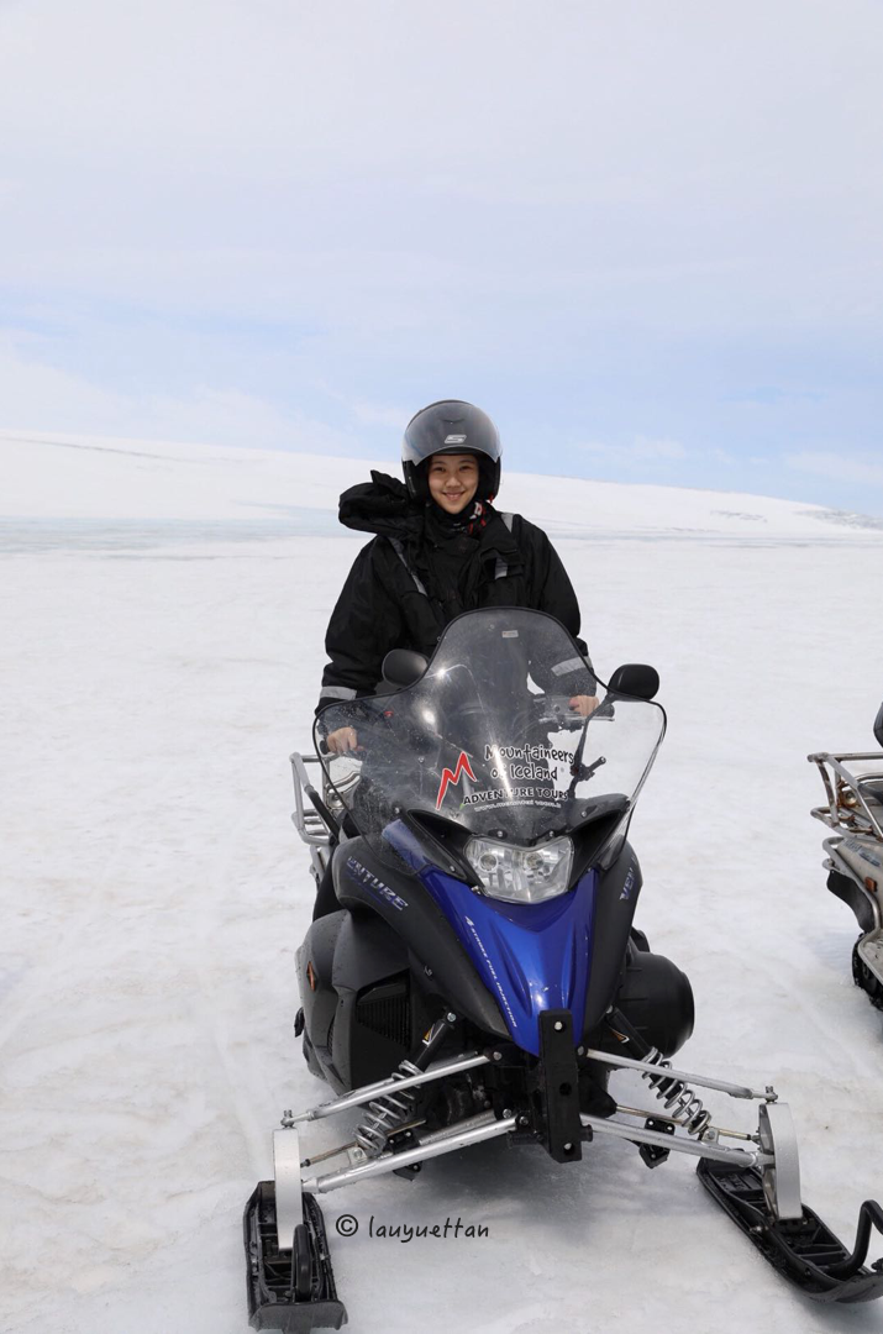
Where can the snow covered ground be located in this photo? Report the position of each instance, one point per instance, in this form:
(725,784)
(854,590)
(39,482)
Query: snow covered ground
(163,611)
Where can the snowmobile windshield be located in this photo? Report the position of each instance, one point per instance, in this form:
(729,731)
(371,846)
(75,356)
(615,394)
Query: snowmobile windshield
(487,738)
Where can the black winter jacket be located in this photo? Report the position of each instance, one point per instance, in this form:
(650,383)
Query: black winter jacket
(420,571)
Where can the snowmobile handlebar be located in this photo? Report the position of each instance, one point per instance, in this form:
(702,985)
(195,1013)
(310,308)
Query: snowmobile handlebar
(550,711)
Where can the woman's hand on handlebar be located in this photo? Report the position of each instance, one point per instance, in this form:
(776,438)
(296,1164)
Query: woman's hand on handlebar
(584,705)
(342,741)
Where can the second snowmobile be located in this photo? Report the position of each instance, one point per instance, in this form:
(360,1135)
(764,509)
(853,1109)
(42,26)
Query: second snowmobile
(854,852)
(481,975)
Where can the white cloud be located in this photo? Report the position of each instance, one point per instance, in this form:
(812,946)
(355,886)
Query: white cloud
(840,467)
(646,448)
(37,397)
(379,414)
(33,394)
(641,452)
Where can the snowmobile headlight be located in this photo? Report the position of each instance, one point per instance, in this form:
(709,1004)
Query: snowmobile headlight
(522,875)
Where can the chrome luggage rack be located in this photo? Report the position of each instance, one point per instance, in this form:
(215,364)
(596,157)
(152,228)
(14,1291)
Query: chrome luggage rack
(855,800)
(318,817)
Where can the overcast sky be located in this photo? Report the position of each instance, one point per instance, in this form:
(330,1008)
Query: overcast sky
(645,236)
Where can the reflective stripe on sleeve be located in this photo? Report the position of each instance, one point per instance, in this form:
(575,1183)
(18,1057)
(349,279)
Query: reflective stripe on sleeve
(571,665)
(337,692)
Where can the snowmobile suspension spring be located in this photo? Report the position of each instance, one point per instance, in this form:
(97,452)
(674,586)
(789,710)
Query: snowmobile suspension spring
(386,1113)
(681,1103)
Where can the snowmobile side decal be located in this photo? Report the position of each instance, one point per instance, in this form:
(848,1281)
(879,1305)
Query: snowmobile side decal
(489,967)
(629,884)
(368,880)
(862,849)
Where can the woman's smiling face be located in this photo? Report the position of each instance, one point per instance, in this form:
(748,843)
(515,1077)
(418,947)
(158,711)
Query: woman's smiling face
(453,481)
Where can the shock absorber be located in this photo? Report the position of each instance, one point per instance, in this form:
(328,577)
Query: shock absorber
(387,1113)
(684,1108)
(681,1103)
(394,1109)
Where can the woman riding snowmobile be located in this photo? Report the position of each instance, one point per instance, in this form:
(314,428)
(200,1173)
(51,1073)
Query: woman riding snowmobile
(441,548)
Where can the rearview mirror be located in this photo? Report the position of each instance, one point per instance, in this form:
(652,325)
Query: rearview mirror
(878,726)
(402,667)
(637,679)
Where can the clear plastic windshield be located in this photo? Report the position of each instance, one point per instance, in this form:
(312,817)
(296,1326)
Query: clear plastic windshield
(489,737)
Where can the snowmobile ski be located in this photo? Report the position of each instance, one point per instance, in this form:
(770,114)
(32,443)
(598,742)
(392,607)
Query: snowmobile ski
(291,1290)
(803,1250)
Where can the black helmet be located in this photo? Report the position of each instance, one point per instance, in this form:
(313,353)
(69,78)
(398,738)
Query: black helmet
(451,427)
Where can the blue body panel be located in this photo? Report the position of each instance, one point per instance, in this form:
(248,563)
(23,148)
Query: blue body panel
(531,957)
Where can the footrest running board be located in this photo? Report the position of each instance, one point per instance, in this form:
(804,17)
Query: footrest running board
(803,1250)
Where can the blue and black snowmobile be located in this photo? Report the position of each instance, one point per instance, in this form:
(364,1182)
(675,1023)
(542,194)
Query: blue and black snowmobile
(481,976)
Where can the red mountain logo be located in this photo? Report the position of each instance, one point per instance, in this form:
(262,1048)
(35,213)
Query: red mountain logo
(462,766)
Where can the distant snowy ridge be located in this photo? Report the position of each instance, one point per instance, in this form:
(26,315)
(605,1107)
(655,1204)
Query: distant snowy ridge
(53,477)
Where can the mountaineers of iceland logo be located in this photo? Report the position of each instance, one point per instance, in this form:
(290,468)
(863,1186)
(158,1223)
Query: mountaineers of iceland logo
(462,767)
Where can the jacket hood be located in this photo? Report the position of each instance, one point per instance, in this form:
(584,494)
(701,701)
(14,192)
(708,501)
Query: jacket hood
(381,506)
